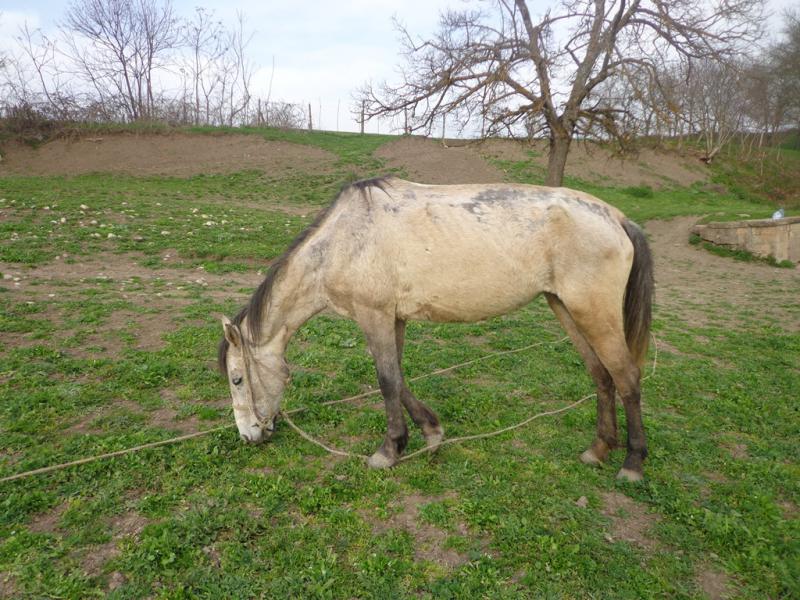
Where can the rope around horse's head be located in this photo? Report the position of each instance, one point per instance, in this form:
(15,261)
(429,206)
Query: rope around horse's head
(331,449)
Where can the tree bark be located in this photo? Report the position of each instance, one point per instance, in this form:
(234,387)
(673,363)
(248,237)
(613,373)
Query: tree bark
(557,160)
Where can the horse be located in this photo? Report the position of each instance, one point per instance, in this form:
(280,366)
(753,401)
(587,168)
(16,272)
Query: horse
(387,251)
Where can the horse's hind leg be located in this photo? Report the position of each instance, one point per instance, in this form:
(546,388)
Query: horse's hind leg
(379,330)
(606,439)
(422,416)
(601,325)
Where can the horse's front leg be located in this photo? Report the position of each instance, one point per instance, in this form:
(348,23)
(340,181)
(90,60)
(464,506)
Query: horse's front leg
(379,330)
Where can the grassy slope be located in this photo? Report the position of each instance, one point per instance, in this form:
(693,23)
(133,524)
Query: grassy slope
(228,520)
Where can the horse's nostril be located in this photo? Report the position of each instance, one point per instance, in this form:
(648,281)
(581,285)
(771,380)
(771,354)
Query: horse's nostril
(244,437)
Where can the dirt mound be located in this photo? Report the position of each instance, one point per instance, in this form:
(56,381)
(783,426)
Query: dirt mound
(179,155)
(596,164)
(648,167)
(429,161)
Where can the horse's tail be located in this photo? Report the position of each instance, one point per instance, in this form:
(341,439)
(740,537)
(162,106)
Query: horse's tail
(639,292)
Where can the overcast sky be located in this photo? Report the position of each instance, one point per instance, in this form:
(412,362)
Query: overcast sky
(323,50)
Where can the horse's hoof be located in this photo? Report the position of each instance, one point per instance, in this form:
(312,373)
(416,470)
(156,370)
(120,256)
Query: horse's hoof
(434,438)
(590,458)
(628,475)
(380,461)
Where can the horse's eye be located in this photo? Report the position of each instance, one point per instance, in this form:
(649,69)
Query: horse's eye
(237,380)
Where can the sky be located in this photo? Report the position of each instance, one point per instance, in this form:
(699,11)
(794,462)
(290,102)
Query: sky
(323,50)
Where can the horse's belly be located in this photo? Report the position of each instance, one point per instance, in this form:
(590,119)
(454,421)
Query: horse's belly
(465,300)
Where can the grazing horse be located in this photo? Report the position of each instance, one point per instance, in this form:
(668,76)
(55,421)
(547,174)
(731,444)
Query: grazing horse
(387,250)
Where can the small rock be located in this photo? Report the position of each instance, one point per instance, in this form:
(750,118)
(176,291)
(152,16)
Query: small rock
(138,238)
(582,502)
(84,207)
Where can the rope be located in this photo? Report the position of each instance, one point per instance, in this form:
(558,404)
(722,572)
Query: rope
(464,438)
(83,461)
(332,450)
(431,374)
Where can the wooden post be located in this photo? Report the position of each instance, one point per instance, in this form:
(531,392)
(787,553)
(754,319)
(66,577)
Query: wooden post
(309,116)
(444,122)
(405,120)
(363,105)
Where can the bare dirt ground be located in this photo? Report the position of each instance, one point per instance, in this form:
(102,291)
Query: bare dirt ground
(431,161)
(428,161)
(698,286)
(424,160)
(178,155)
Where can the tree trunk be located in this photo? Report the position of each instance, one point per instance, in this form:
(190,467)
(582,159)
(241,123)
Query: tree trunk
(557,160)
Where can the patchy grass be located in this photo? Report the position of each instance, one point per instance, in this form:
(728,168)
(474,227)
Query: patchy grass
(642,203)
(514,516)
(742,255)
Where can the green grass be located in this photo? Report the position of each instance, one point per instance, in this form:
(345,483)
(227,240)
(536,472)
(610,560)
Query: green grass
(642,202)
(213,517)
(771,175)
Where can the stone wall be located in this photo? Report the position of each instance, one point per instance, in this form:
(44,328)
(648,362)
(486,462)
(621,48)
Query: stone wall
(764,237)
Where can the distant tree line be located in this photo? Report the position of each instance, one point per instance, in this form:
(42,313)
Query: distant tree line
(122,61)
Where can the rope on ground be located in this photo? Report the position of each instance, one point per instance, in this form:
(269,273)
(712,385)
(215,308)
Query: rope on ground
(464,438)
(83,461)
(332,450)
(431,374)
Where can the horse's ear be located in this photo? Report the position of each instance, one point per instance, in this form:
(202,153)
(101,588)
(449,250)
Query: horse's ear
(232,332)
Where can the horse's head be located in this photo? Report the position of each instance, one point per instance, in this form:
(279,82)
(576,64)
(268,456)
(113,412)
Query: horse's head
(257,378)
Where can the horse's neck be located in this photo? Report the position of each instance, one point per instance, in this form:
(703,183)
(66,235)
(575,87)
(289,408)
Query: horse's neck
(294,299)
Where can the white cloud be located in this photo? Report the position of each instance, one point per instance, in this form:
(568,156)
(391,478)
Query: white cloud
(10,23)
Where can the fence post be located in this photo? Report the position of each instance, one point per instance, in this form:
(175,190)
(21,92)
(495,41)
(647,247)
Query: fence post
(363,104)
(309,116)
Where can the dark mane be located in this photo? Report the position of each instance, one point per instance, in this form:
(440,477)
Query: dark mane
(254,310)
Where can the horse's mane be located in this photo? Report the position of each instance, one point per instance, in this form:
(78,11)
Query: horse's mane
(254,310)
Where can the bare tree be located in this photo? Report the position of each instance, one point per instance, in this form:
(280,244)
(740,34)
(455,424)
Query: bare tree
(205,38)
(785,60)
(118,45)
(515,72)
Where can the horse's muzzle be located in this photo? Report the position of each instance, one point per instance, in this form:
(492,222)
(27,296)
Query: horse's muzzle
(258,434)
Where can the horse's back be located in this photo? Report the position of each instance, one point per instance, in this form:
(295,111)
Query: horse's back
(468,252)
